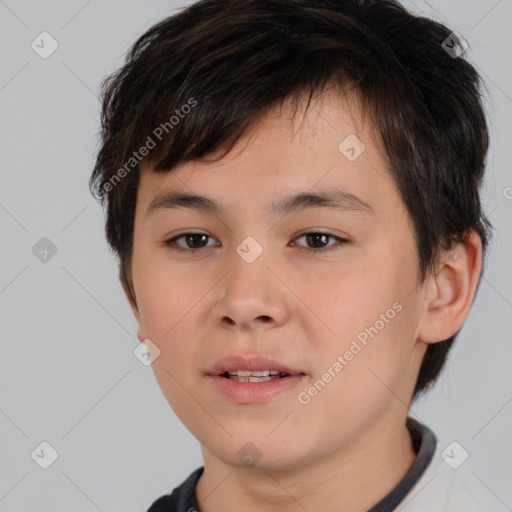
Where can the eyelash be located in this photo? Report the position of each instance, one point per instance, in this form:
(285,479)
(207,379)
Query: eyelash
(171,243)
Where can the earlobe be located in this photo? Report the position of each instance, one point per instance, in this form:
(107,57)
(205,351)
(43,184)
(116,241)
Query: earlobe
(452,290)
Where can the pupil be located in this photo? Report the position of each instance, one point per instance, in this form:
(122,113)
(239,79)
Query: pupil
(193,238)
(315,235)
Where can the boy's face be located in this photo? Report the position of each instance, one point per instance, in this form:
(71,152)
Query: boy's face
(301,308)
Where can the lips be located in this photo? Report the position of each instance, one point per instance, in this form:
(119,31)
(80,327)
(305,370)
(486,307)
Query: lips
(246,393)
(253,364)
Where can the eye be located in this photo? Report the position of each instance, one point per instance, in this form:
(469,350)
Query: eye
(193,241)
(318,238)
(196,241)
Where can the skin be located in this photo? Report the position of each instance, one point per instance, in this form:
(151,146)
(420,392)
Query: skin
(349,446)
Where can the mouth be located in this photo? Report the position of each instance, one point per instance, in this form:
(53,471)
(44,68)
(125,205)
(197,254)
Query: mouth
(252,369)
(255,389)
(253,380)
(254,376)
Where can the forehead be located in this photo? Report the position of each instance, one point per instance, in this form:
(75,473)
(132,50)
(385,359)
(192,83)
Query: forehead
(328,148)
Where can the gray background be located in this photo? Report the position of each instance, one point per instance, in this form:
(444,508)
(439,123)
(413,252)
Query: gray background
(67,372)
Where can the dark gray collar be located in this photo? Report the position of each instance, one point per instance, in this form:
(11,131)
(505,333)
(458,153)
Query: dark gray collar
(424,445)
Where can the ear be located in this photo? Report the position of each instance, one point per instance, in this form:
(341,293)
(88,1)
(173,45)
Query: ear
(132,299)
(451,291)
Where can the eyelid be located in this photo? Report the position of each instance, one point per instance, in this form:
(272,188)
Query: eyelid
(171,242)
(340,241)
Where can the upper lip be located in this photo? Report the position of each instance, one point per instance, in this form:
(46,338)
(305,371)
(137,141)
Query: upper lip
(233,363)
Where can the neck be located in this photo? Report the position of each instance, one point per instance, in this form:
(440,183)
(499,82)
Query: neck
(347,479)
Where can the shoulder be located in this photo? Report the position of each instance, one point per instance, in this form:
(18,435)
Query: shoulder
(182,498)
(446,486)
(165,503)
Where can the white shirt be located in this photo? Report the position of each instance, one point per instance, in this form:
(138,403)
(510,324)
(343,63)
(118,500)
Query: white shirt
(448,484)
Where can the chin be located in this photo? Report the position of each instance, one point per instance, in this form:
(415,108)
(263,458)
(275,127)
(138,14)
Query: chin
(263,454)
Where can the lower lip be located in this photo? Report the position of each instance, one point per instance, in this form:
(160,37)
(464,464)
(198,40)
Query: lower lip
(255,392)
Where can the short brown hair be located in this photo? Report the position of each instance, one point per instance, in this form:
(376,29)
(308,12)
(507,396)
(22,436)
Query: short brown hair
(232,60)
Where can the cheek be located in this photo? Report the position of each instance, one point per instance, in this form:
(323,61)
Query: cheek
(165,296)
(167,310)
(167,307)
(370,316)
(352,300)
(367,378)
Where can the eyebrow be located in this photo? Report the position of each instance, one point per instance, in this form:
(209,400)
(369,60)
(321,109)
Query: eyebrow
(332,198)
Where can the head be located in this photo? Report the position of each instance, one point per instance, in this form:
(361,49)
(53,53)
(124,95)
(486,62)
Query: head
(208,104)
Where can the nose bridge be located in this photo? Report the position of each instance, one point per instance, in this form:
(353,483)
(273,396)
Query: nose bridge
(248,280)
(251,292)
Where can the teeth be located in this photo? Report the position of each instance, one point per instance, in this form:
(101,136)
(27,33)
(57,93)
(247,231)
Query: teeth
(259,379)
(252,379)
(263,373)
(254,373)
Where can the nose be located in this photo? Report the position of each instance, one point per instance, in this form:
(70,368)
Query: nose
(251,297)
